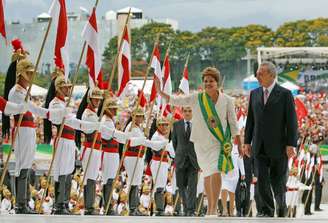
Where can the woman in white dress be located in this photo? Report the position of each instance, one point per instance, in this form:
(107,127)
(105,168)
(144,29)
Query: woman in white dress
(207,146)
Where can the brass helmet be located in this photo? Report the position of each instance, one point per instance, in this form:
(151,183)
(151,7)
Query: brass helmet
(6,192)
(162,120)
(123,196)
(95,93)
(145,189)
(24,66)
(294,171)
(138,112)
(111,103)
(57,72)
(61,82)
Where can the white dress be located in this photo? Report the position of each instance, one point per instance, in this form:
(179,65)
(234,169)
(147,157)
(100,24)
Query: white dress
(207,147)
(230,180)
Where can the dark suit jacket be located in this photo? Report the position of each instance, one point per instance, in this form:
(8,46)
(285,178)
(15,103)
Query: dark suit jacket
(272,126)
(183,147)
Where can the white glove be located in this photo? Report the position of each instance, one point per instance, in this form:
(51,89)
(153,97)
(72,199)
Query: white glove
(156,145)
(120,136)
(92,126)
(137,141)
(14,109)
(57,114)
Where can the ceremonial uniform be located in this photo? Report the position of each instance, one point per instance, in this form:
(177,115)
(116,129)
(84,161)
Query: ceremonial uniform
(132,161)
(91,173)
(159,168)
(110,154)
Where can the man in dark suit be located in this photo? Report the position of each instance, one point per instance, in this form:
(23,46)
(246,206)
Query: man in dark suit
(186,162)
(271,128)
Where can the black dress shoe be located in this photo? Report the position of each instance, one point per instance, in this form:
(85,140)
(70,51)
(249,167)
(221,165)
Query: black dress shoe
(260,215)
(318,209)
(62,211)
(91,212)
(308,213)
(25,210)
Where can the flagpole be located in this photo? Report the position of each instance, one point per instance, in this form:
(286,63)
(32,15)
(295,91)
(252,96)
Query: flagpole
(5,168)
(132,124)
(61,128)
(119,52)
(103,107)
(166,55)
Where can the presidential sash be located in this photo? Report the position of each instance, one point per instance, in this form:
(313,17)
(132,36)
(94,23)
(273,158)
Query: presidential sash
(214,125)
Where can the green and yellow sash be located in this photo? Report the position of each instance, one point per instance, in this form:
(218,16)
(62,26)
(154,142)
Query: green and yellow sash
(214,125)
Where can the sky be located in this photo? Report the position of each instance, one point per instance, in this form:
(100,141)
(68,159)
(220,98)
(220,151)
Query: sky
(191,15)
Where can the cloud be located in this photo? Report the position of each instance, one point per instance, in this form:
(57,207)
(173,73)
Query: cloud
(191,14)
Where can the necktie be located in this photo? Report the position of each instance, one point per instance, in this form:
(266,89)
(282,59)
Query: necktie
(266,95)
(188,130)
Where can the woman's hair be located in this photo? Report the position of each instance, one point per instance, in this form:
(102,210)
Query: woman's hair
(213,72)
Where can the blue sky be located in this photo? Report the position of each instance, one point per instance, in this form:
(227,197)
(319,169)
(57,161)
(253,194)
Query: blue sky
(191,14)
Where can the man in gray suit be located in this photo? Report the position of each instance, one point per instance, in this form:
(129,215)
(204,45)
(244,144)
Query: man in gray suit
(186,162)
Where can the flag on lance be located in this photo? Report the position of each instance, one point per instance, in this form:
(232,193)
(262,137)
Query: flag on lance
(124,67)
(167,84)
(2,19)
(184,83)
(93,58)
(156,65)
(58,13)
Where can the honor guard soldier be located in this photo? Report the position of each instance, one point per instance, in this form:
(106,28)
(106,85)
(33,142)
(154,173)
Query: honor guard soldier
(25,141)
(160,163)
(88,107)
(132,161)
(111,137)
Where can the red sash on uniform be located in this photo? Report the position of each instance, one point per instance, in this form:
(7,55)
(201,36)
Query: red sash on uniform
(134,151)
(292,189)
(89,141)
(27,121)
(110,146)
(158,154)
(68,133)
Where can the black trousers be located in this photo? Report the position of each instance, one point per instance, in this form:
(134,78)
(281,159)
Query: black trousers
(242,206)
(317,193)
(272,177)
(187,178)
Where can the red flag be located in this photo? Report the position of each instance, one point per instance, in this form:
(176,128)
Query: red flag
(301,110)
(167,84)
(93,59)
(177,113)
(143,100)
(2,20)
(156,64)
(58,13)
(124,67)
(184,83)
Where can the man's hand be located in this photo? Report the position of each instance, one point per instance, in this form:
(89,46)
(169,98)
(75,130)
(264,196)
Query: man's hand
(254,180)
(242,177)
(240,147)
(247,150)
(290,152)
